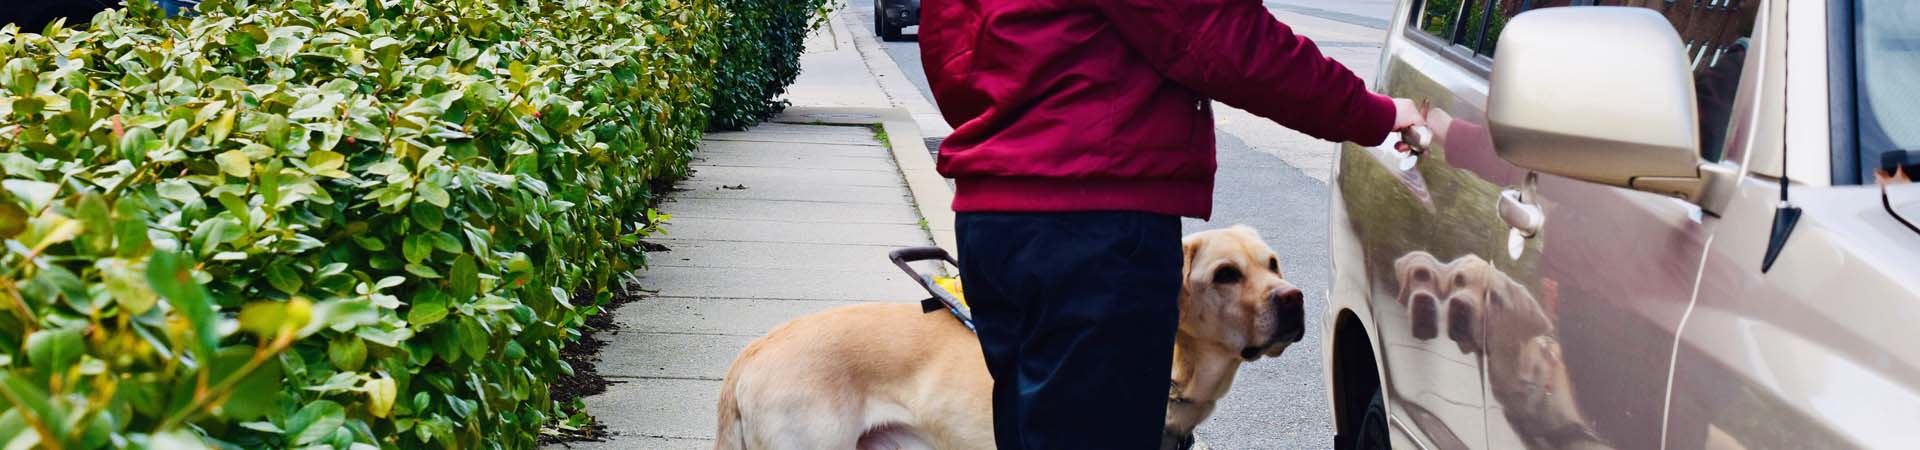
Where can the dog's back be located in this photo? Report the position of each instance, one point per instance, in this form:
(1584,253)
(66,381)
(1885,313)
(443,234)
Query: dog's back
(876,376)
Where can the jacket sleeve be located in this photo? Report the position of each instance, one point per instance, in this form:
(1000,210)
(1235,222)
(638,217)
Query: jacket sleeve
(1235,52)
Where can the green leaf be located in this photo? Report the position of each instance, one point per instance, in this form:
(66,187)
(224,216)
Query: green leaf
(322,160)
(171,275)
(427,308)
(228,83)
(37,194)
(422,271)
(266,318)
(235,163)
(34,399)
(445,242)
(465,278)
(222,127)
(347,353)
(55,350)
(178,190)
(416,248)
(135,144)
(370,243)
(213,232)
(93,214)
(178,439)
(282,276)
(13,219)
(435,195)
(28,106)
(474,338)
(389,338)
(380,395)
(315,421)
(429,216)
(276,133)
(341,315)
(127,285)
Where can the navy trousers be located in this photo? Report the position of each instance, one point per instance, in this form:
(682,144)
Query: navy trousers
(1076,314)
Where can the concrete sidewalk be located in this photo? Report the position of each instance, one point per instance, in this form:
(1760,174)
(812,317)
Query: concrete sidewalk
(778,221)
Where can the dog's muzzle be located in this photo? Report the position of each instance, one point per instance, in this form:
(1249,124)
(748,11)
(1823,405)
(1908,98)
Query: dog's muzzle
(1290,322)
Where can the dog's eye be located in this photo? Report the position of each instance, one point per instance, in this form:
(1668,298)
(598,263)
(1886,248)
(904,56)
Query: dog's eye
(1226,275)
(1422,275)
(1273,264)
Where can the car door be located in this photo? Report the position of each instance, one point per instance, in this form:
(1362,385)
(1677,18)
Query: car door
(1816,351)
(1565,296)
(1580,346)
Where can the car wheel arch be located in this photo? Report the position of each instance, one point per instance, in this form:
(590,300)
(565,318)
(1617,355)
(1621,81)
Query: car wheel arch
(1355,374)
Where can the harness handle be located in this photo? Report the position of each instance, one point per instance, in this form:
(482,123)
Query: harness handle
(904,258)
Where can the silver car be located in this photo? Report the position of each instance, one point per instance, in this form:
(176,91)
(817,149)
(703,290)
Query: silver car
(1635,224)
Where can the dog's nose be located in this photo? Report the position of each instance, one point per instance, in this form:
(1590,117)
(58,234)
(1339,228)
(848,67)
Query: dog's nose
(1286,294)
(1461,326)
(1290,305)
(1423,312)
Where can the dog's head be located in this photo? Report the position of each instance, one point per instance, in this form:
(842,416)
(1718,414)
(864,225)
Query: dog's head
(1236,296)
(1235,306)
(1420,277)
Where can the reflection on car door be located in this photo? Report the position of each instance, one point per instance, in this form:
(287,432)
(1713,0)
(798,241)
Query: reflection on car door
(1562,296)
(1579,352)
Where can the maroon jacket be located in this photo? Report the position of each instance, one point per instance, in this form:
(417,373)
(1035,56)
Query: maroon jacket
(1087,105)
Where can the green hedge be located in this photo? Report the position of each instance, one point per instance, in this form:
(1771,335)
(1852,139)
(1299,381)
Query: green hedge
(340,223)
(760,58)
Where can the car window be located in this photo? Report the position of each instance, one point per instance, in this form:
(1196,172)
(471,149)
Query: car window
(1887,57)
(1714,31)
(1441,18)
(1483,23)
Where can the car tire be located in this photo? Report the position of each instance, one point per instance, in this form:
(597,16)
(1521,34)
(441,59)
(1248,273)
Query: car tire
(887,31)
(1372,432)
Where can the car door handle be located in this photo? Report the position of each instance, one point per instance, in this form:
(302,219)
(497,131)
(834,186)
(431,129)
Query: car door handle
(1521,214)
(1416,138)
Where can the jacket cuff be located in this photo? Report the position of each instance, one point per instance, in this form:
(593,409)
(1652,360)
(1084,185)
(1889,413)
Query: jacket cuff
(1373,119)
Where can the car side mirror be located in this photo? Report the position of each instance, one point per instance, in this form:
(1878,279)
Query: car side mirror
(1601,94)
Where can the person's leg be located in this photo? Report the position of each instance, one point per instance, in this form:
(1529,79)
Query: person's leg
(999,322)
(1097,297)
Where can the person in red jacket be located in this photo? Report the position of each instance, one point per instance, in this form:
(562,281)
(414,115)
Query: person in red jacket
(1083,131)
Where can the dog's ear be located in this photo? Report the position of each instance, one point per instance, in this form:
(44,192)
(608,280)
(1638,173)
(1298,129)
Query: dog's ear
(1404,270)
(1527,312)
(1189,246)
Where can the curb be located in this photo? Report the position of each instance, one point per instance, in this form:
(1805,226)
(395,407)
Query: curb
(930,193)
(893,82)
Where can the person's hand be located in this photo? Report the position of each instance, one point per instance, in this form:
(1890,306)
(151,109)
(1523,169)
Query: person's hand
(1407,114)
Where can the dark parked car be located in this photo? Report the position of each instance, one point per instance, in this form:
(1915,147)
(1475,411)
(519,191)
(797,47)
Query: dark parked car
(34,15)
(889,16)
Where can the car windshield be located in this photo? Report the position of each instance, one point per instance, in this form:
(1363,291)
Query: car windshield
(1887,67)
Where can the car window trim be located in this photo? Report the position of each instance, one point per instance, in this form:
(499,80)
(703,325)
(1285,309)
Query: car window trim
(1842,88)
(1479,65)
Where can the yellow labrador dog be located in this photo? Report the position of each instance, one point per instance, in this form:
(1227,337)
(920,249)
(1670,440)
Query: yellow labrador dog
(886,376)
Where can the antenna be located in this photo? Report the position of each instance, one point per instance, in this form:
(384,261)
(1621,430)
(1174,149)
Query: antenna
(1785,217)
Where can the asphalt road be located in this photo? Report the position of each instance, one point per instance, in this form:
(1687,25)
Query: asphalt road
(1278,403)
